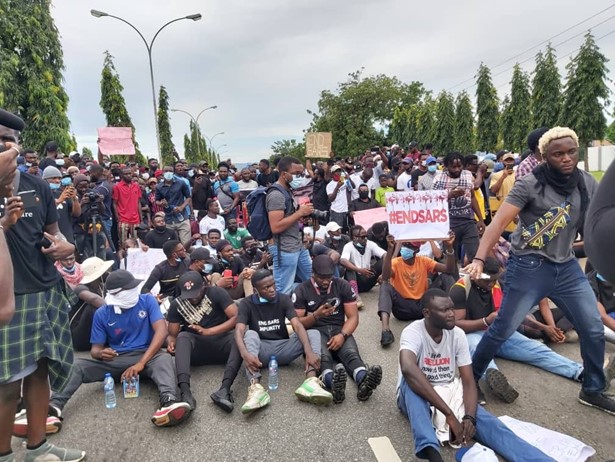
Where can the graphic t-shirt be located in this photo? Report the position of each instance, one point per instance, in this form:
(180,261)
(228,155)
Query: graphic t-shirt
(438,361)
(404,182)
(267,319)
(130,330)
(411,281)
(308,297)
(208,313)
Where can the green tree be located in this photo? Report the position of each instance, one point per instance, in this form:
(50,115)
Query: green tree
(586,94)
(164,128)
(426,122)
(506,122)
(87,152)
(464,124)
(444,127)
(487,129)
(113,104)
(31,81)
(197,147)
(188,151)
(518,111)
(546,90)
(289,148)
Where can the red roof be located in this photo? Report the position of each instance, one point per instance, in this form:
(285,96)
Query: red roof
(115,141)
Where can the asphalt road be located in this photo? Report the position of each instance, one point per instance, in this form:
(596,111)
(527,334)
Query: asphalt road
(289,430)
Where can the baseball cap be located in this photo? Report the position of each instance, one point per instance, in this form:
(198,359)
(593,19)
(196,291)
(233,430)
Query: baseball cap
(190,284)
(490,164)
(323,266)
(508,155)
(121,279)
(332,227)
(201,253)
(407,160)
(335,168)
(430,160)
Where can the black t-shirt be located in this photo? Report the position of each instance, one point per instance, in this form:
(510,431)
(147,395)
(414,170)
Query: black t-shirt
(320,199)
(267,179)
(46,162)
(200,194)
(307,297)
(337,245)
(167,276)
(251,261)
(236,265)
(267,319)
(605,292)
(416,174)
(65,217)
(208,313)
(478,305)
(382,243)
(155,239)
(33,271)
(358,205)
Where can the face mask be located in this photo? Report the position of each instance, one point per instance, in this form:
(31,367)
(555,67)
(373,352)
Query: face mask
(148,189)
(28,164)
(88,168)
(160,228)
(224,260)
(432,168)
(251,251)
(207,269)
(54,186)
(168,176)
(406,253)
(262,299)
(296,182)
(178,260)
(70,270)
(60,162)
(358,245)
(363,194)
(107,164)
(66,181)
(123,299)
(190,173)
(337,238)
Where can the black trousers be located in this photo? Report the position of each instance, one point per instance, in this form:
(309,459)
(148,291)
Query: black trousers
(348,354)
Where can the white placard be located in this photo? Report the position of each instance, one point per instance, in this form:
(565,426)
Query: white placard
(140,264)
(418,215)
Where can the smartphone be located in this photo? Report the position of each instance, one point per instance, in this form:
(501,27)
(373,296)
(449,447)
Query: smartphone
(227,273)
(333,302)
(29,199)
(510,167)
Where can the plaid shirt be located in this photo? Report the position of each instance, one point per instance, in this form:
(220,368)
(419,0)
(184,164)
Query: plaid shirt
(526,166)
(458,207)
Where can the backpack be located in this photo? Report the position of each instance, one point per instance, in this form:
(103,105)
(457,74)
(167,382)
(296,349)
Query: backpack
(256,202)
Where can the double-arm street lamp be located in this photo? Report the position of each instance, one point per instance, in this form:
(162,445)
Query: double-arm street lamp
(193,17)
(195,121)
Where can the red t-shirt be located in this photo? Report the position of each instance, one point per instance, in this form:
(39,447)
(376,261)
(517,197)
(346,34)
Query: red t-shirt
(126,197)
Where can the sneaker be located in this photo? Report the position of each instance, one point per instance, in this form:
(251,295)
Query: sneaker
(313,391)
(360,303)
(171,412)
(258,397)
(480,395)
(571,336)
(600,401)
(53,424)
(386,338)
(187,397)
(609,372)
(369,383)
(498,384)
(338,388)
(47,452)
(223,399)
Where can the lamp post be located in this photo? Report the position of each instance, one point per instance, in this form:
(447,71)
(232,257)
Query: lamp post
(193,17)
(195,121)
(209,140)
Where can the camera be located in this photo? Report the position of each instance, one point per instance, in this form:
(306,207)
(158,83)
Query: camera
(319,214)
(92,196)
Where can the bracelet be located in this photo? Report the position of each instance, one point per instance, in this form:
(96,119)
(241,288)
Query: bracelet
(470,418)
(345,335)
(485,322)
(479,259)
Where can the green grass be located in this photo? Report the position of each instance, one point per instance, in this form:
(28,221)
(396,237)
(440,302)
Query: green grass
(597,175)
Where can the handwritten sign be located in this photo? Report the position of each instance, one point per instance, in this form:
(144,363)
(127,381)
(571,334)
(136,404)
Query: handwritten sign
(141,264)
(318,145)
(418,215)
(367,218)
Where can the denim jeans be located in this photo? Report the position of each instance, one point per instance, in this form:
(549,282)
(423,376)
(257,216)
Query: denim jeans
(289,265)
(525,350)
(530,278)
(490,431)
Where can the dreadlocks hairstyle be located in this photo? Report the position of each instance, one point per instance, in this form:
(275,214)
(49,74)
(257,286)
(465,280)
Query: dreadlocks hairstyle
(453,156)
(556,133)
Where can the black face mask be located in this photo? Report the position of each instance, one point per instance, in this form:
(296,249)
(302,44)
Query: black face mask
(160,228)
(363,194)
(251,251)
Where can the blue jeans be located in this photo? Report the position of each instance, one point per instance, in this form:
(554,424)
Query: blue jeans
(530,278)
(289,265)
(490,431)
(525,350)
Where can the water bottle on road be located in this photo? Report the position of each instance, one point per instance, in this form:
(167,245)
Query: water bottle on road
(109,387)
(273,374)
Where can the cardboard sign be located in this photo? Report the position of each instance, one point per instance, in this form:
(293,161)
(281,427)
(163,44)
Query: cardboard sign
(418,215)
(318,145)
(367,218)
(141,264)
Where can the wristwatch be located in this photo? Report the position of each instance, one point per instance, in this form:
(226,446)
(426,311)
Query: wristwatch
(345,335)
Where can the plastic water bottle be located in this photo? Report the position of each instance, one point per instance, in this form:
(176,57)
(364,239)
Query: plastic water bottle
(109,387)
(273,374)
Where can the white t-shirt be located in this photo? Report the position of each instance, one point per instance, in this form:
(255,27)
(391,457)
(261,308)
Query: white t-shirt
(404,182)
(208,223)
(438,361)
(356,179)
(350,253)
(340,203)
(243,185)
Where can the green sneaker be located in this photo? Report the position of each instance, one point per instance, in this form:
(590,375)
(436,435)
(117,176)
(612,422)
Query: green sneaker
(47,452)
(312,391)
(258,397)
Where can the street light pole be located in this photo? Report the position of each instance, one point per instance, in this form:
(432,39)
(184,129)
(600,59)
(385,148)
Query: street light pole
(195,121)
(193,17)
(209,140)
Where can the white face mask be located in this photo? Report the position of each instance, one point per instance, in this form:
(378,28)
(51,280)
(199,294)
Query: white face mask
(123,299)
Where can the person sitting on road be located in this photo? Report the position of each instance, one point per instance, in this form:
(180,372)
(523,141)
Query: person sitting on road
(127,334)
(252,257)
(327,304)
(357,259)
(378,233)
(167,273)
(213,237)
(230,273)
(261,333)
(234,234)
(476,306)
(431,351)
(363,202)
(335,239)
(202,262)
(212,220)
(605,296)
(405,280)
(201,322)
(161,233)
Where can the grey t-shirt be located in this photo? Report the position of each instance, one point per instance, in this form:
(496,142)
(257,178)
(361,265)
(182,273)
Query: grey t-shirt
(289,239)
(534,204)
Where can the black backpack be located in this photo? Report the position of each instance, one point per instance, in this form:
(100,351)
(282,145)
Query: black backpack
(256,202)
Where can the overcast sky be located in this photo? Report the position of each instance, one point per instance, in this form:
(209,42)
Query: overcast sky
(265,62)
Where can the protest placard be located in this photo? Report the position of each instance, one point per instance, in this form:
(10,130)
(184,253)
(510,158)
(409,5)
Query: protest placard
(318,145)
(367,218)
(418,215)
(141,264)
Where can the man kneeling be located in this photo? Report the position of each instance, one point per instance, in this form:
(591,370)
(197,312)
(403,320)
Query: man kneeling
(261,333)
(439,406)
(133,328)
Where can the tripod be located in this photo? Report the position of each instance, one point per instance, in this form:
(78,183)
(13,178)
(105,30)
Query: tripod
(93,221)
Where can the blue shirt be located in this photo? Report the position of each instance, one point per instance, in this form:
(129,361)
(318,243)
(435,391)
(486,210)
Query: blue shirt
(129,331)
(229,186)
(175,194)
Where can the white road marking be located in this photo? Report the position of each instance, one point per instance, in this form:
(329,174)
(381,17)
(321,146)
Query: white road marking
(383,449)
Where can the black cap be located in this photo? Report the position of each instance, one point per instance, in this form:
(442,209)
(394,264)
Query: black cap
(222,243)
(190,284)
(121,279)
(201,253)
(322,265)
